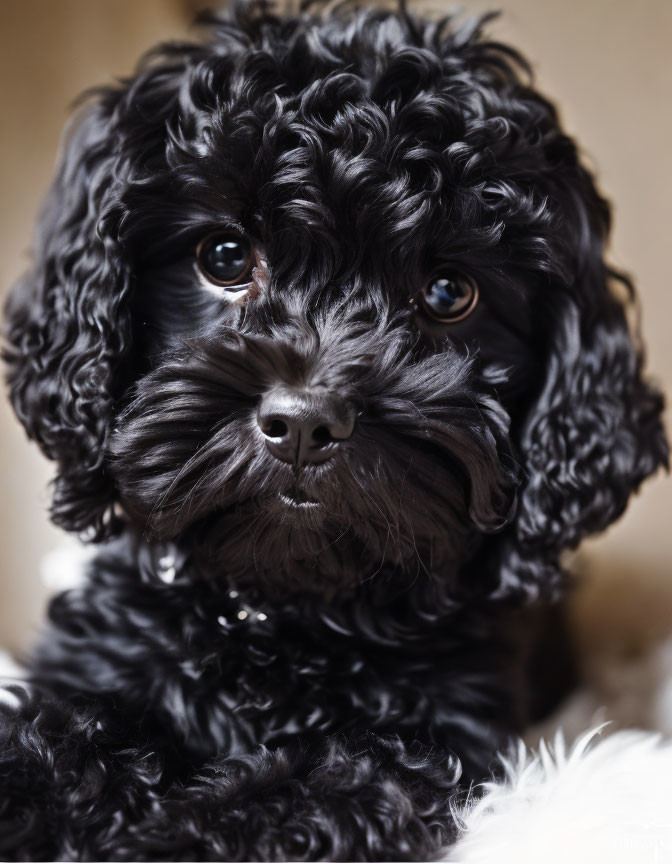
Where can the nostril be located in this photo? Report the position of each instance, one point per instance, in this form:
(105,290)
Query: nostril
(322,436)
(278,429)
(275,428)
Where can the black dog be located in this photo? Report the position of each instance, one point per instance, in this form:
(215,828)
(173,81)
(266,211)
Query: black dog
(320,336)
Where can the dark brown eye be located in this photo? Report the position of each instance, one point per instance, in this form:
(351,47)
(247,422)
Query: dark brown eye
(225,258)
(449,297)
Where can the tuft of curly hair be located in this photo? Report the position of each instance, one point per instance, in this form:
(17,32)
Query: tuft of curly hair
(320,335)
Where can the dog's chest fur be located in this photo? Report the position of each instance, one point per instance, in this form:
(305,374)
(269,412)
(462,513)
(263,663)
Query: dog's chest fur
(214,670)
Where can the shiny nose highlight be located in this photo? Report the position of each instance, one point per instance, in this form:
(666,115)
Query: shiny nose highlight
(302,427)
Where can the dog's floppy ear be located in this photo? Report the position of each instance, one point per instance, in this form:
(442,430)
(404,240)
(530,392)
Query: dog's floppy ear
(594,431)
(67,328)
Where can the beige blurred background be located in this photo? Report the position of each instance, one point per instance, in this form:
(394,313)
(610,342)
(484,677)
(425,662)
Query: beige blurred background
(608,65)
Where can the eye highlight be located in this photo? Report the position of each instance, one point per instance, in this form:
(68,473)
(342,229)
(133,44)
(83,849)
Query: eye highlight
(225,258)
(449,297)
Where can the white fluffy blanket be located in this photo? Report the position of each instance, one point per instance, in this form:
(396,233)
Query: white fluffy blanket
(605,798)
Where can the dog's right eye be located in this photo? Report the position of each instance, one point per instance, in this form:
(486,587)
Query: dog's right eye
(449,297)
(225,258)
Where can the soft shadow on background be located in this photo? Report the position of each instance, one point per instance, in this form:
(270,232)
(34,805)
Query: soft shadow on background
(605,62)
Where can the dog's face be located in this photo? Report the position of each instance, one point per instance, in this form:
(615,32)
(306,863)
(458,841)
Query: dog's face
(324,297)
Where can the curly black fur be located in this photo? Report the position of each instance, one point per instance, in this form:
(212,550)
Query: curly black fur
(236,680)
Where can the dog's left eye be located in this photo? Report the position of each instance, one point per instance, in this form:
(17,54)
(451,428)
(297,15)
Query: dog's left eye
(225,258)
(449,297)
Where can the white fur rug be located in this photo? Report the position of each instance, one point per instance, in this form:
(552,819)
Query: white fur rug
(605,798)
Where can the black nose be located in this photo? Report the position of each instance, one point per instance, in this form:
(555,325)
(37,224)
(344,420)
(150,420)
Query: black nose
(302,426)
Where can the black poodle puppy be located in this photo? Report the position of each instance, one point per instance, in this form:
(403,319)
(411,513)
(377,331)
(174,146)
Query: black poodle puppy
(320,336)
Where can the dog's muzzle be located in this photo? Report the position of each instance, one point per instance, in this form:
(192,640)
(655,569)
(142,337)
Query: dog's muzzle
(302,427)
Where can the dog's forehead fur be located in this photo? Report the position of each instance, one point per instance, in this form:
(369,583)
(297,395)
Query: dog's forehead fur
(364,152)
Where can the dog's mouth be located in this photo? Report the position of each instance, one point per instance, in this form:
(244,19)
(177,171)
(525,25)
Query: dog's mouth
(296,499)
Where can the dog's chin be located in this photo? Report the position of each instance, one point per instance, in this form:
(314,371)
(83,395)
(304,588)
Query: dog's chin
(289,543)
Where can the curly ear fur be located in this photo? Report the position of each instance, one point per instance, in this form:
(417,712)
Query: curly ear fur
(68,324)
(67,327)
(593,435)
